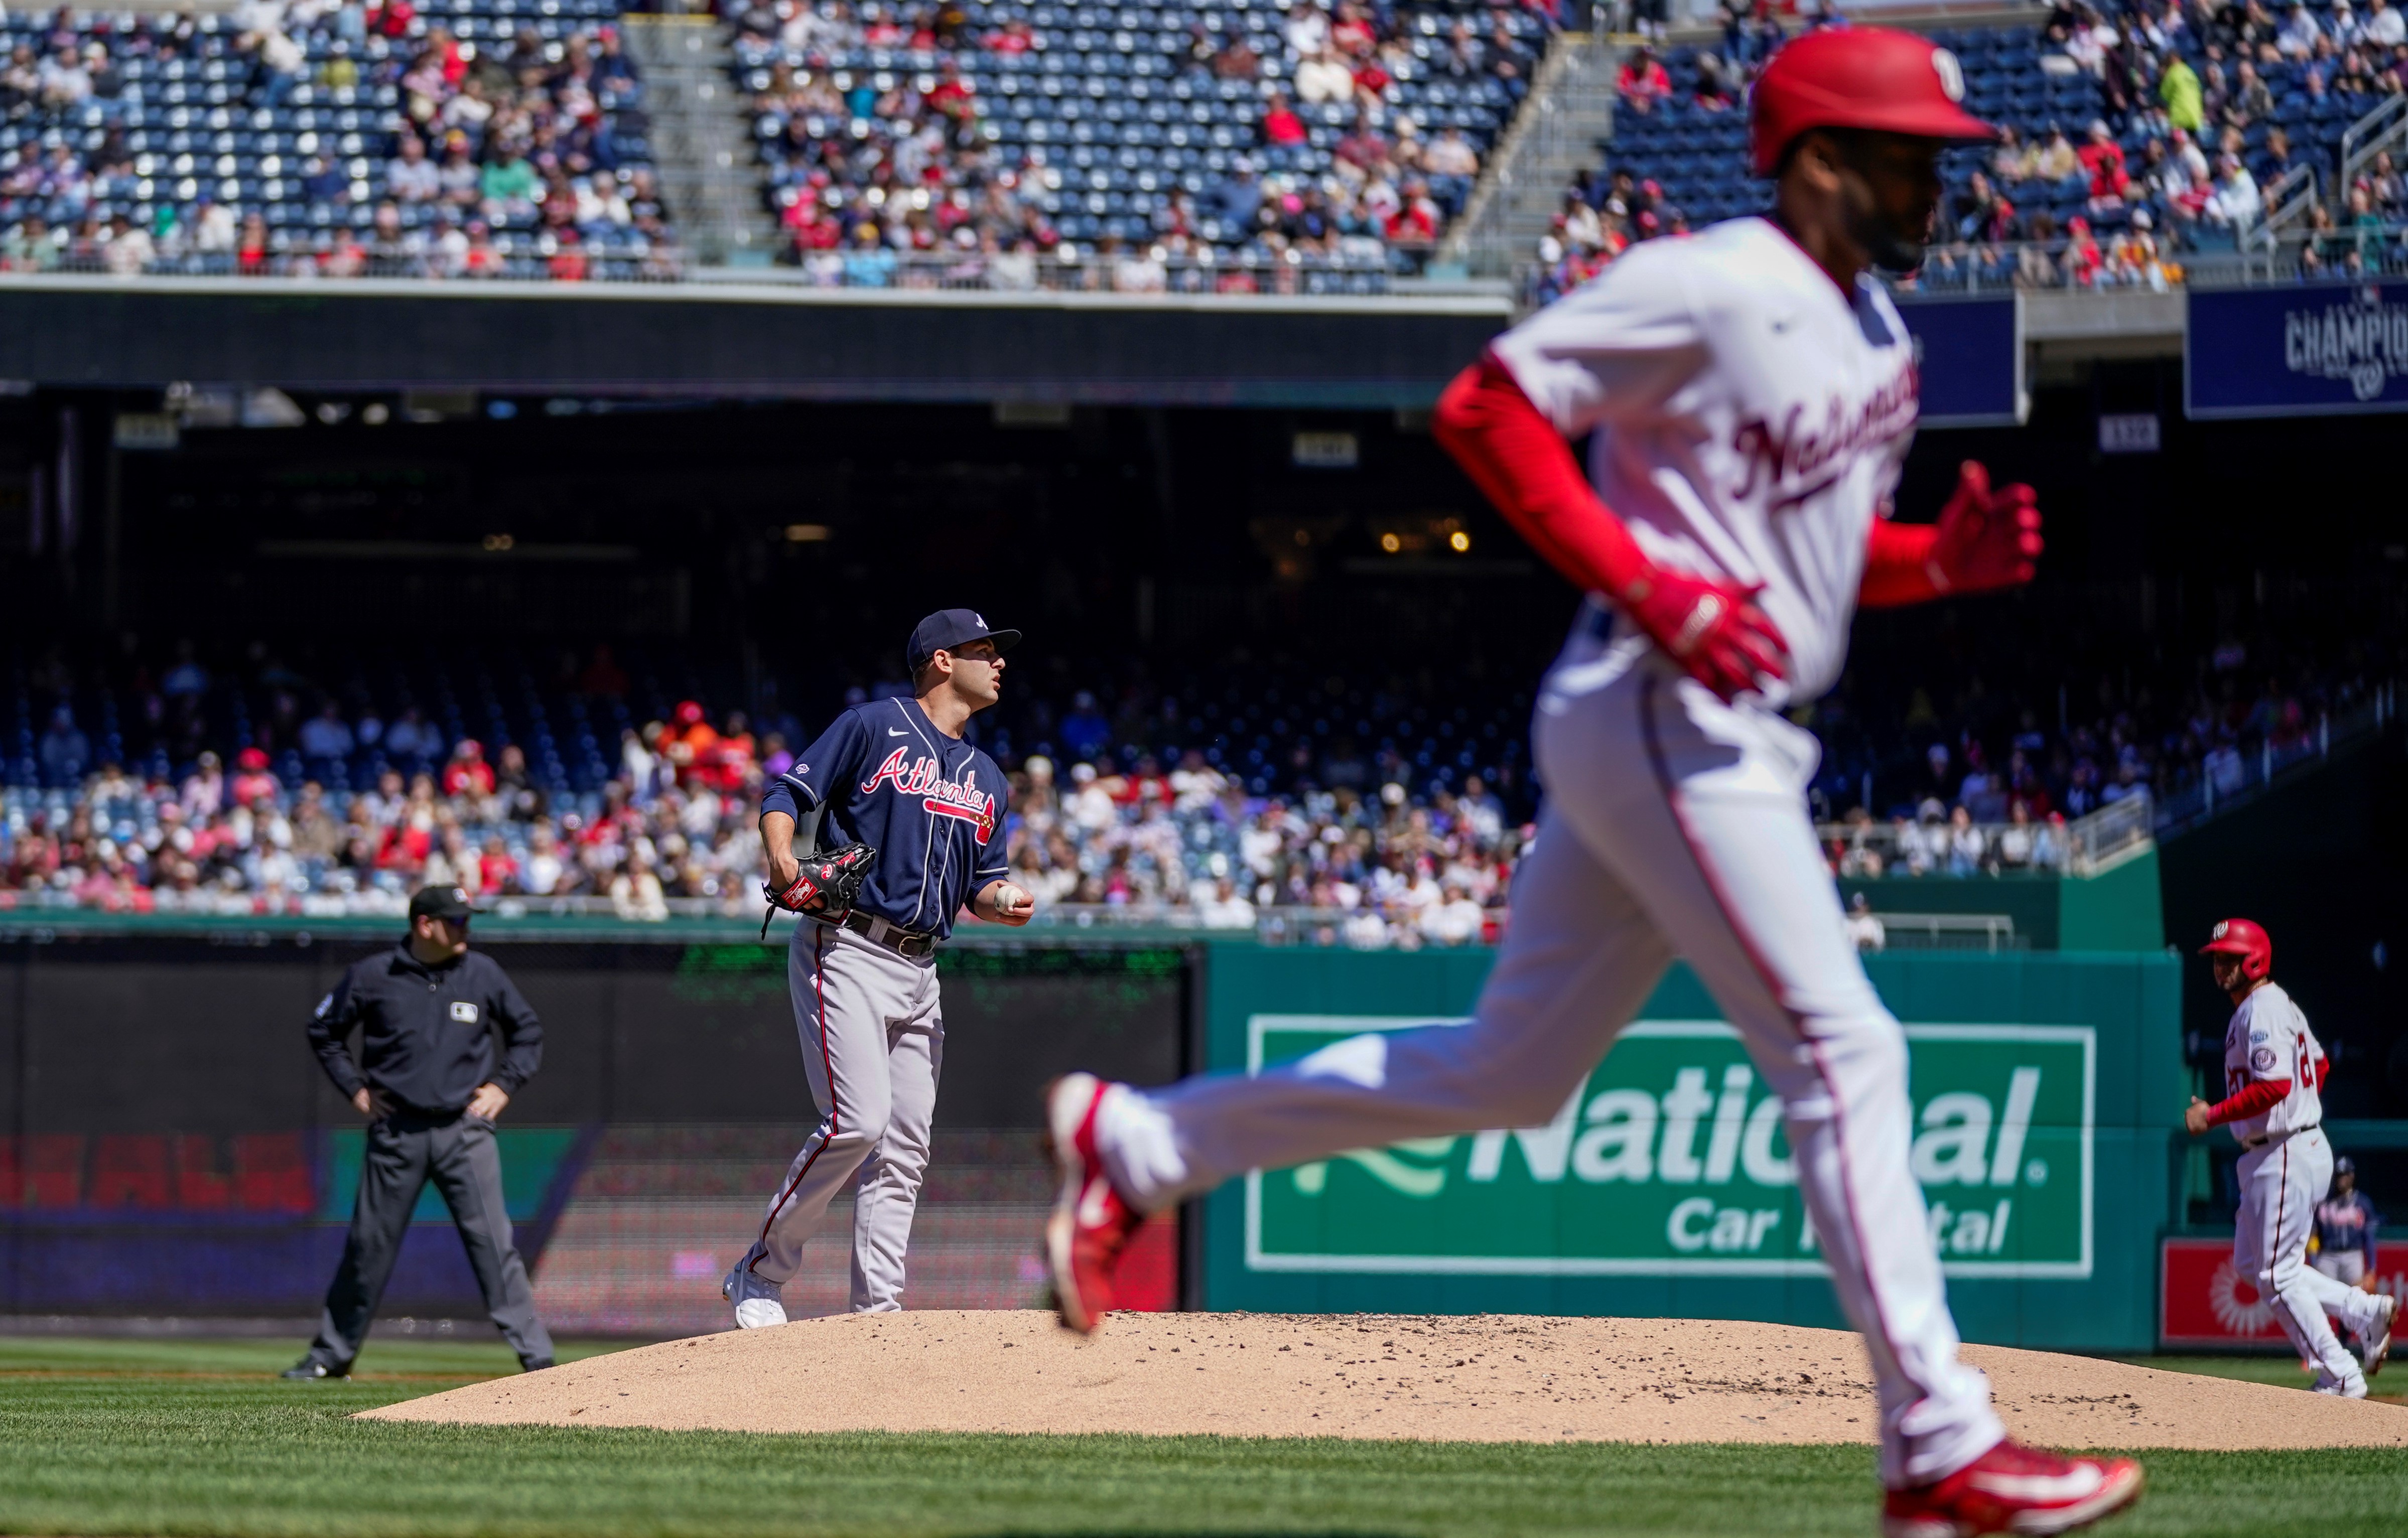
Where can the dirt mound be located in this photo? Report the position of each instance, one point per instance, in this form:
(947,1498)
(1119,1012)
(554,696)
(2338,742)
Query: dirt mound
(1490,1378)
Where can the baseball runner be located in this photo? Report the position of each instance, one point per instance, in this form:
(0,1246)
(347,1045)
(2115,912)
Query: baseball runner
(1750,391)
(2346,1223)
(2272,1071)
(920,813)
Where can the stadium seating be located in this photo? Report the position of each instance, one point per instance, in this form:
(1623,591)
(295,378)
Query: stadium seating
(188,114)
(1686,156)
(1113,125)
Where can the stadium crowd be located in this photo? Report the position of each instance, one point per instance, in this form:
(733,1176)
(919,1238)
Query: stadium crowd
(1192,147)
(1133,801)
(2135,132)
(674,819)
(325,139)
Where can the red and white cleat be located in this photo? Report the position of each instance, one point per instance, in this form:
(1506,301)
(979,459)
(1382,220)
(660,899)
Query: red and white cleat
(1091,1223)
(2014,1489)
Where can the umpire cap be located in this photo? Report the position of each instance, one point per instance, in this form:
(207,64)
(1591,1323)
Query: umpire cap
(446,902)
(948,629)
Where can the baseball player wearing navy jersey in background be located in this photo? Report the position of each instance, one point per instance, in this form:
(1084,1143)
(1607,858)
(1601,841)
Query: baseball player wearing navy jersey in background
(897,775)
(2346,1222)
(2273,1070)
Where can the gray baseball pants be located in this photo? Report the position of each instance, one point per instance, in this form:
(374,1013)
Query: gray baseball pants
(404,1152)
(873,1041)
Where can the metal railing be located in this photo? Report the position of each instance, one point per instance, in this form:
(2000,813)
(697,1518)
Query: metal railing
(520,258)
(1987,932)
(1069,268)
(1554,123)
(2285,201)
(2110,835)
(1936,848)
(2231,775)
(2385,128)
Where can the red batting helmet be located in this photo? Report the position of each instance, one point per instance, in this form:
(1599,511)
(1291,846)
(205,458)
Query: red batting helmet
(2241,938)
(1859,78)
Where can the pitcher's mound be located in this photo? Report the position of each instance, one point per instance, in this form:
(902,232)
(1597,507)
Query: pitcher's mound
(1491,1378)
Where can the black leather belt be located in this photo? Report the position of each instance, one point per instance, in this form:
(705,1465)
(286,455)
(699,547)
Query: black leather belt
(903,942)
(2252,1144)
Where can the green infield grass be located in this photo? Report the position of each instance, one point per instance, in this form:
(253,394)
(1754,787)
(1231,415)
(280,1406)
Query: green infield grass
(115,1437)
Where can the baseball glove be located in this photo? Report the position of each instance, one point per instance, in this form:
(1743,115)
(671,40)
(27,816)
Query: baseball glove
(825,886)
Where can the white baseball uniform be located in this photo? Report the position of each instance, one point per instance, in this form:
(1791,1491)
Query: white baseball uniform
(1750,417)
(2283,1173)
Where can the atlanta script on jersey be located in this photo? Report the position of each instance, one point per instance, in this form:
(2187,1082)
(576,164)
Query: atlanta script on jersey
(2269,1039)
(932,806)
(1749,417)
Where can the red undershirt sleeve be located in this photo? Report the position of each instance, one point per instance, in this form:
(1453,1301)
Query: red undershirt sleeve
(2256,1099)
(1515,455)
(1898,565)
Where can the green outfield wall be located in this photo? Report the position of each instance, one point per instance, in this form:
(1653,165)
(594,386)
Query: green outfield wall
(2047,1090)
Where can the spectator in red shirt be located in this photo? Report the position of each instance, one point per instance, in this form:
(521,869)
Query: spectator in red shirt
(1016,37)
(690,745)
(2081,256)
(566,263)
(1643,82)
(1281,125)
(468,773)
(952,98)
(250,253)
(251,778)
(2103,158)
(1414,224)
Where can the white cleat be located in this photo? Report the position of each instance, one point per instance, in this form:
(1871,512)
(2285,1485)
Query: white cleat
(756,1300)
(2376,1345)
(2352,1387)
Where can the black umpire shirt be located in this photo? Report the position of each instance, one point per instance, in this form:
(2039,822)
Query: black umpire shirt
(426,1032)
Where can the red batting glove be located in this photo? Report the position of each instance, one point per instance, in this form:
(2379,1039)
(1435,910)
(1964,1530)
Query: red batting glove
(1985,540)
(1713,628)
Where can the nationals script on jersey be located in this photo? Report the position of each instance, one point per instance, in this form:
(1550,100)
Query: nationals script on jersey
(2269,1039)
(1751,418)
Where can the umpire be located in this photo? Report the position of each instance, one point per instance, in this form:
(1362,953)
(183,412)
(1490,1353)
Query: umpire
(428,1012)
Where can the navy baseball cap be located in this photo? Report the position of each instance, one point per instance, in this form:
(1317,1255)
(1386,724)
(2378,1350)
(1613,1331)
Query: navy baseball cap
(949,628)
(2345,1165)
(447,902)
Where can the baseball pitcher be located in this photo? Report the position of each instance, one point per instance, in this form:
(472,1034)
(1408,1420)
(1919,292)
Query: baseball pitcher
(1749,393)
(917,815)
(2272,1072)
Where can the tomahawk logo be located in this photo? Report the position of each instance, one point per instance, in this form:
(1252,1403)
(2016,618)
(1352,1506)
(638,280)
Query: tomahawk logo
(2365,343)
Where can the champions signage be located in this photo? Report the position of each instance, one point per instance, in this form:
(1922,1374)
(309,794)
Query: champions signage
(1670,1160)
(2299,350)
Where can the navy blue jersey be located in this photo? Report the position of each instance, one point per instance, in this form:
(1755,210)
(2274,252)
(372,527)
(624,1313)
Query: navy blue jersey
(931,804)
(2347,1222)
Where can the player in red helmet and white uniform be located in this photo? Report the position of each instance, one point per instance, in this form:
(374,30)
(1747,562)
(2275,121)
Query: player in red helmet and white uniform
(2274,1076)
(1750,391)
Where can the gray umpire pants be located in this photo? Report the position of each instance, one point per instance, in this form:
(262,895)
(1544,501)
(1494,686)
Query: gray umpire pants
(404,1152)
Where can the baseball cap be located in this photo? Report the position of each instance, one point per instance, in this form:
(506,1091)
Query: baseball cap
(2345,1165)
(448,903)
(948,629)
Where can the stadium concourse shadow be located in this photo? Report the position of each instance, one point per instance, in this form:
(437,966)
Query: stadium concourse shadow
(714,340)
